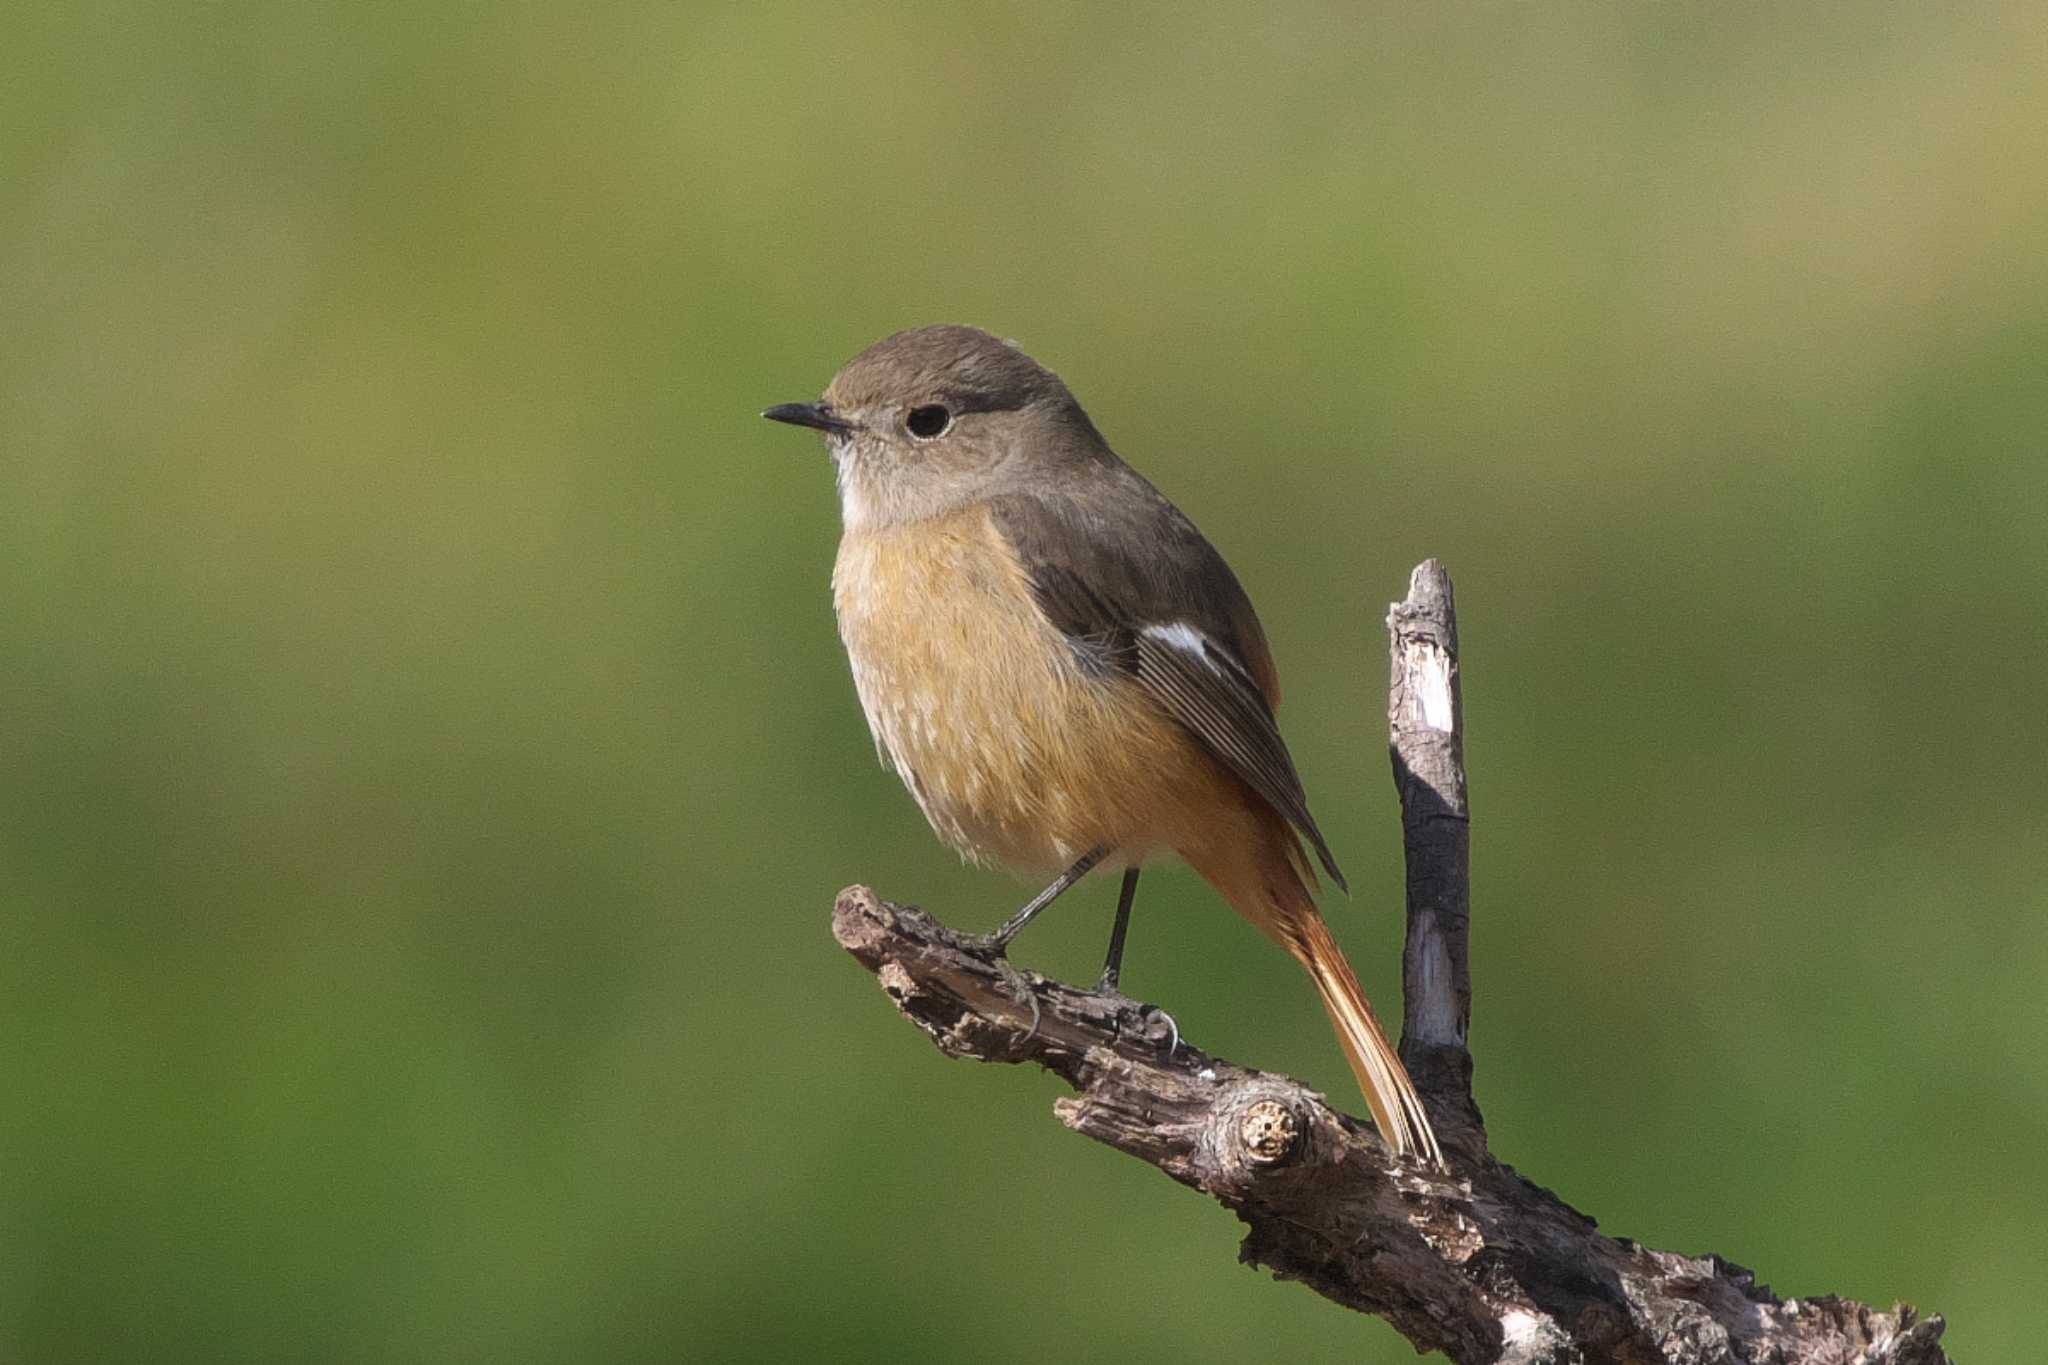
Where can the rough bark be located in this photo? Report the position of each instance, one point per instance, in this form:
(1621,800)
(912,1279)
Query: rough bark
(1476,1262)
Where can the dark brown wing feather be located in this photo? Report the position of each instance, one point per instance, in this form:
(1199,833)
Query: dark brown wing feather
(1108,557)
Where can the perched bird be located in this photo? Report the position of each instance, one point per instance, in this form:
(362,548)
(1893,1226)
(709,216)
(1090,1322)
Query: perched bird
(1059,666)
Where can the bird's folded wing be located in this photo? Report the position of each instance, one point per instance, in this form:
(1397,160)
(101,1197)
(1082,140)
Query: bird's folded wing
(1144,595)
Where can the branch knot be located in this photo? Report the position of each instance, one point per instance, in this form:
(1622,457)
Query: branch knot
(1270,1134)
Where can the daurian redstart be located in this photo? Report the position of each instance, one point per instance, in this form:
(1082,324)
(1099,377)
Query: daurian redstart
(1062,670)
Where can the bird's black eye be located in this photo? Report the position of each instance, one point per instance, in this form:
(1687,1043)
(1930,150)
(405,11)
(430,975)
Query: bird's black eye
(928,421)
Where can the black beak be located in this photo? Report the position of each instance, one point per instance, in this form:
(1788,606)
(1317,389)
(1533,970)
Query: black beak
(814,415)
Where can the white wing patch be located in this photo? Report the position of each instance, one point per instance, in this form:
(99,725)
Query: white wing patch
(1186,639)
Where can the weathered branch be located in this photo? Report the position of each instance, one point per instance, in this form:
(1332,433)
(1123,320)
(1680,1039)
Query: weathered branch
(1478,1263)
(1426,740)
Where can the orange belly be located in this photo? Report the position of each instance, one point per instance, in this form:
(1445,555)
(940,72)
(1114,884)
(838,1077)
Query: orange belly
(1015,752)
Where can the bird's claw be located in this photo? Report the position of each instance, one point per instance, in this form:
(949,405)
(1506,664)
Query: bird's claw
(1172,1030)
(1019,990)
(1123,1006)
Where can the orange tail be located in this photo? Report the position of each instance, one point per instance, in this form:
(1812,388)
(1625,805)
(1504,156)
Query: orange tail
(1396,1108)
(1259,867)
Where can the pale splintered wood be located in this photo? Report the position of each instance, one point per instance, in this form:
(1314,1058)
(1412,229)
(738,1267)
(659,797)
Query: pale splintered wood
(1426,741)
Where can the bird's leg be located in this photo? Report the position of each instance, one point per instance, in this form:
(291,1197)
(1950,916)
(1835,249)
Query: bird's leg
(1112,968)
(1011,927)
(1113,965)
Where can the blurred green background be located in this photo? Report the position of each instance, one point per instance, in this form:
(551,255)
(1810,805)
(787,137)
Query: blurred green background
(429,760)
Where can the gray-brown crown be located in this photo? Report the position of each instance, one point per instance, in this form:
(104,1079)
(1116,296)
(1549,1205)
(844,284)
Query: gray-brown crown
(964,368)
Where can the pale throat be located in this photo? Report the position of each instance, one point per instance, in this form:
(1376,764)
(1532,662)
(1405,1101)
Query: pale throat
(860,502)
(876,493)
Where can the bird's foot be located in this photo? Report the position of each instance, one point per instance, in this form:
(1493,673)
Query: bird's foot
(985,945)
(994,949)
(1139,1020)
